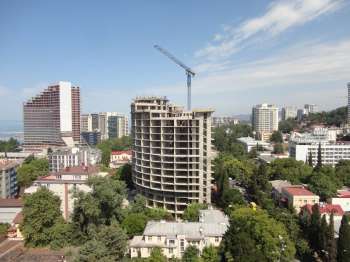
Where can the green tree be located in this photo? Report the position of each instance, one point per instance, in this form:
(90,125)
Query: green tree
(342,171)
(157,255)
(287,126)
(319,158)
(331,244)
(30,171)
(106,146)
(210,254)
(191,254)
(101,206)
(344,240)
(10,145)
(278,148)
(124,173)
(231,196)
(254,236)
(108,244)
(324,183)
(290,169)
(42,218)
(314,228)
(134,224)
(191,212)
(310,160)
(276,137)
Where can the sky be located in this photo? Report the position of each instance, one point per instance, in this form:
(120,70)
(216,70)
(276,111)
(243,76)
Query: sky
(284,52)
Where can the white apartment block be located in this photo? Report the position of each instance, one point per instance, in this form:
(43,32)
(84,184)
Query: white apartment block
(64,184)
(264,120)
(76,156)
(224,120)
(289,112)
(174,237)
(302,145)
(8,180)
(250,143)
(171,161)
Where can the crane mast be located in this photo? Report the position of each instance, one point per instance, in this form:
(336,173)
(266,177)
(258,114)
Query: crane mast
(189,72)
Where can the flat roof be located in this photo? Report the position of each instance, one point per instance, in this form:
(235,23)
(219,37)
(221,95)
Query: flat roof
(11,202)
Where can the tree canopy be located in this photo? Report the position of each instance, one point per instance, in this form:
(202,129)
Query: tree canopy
(191,212)
(254,236)
(31,170)
(10,145)
(106,146)
(43,221)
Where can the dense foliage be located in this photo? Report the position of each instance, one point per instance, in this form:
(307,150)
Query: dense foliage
(107,146)
(10,145)
(191,213)
(30,170)
(254,236)
(43,223)
(225,139)
(335,117)
(288,125)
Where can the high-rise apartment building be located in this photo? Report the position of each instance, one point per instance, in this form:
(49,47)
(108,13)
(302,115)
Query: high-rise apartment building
(52,118)
(171,156)
(310,108)
(264,120)
(89,122)
(289,112)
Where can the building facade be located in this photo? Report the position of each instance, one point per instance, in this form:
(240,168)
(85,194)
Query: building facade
(64,183)
(264,120)
(289,112)
(298,196)
(174,237)
(306,145)
(8,178)
(52,118)
(71,157)
(224,120)
(119,158)
(310,108)
(171,162)
(91,138)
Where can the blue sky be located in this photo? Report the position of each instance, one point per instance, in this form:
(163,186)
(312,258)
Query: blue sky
(286,52)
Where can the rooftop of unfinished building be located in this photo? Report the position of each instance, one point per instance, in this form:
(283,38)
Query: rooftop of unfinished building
(156,99)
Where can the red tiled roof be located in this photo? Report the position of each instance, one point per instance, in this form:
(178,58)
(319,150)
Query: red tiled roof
(11,202)
(120,152)
(298,191)
(327,209)
(344,194)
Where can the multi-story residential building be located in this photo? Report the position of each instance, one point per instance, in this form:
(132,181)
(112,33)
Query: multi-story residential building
(298,196)
(300,114)
(52,118)
(250,143)
(174,237)
(310,108)
(70,157)
(92,138)
(264,120)
(103,125)
(119,158)
(117,125)
(64,183)
(171,162)
(289,112)
(8,180)
(303,146)
(89,122)
(224,120)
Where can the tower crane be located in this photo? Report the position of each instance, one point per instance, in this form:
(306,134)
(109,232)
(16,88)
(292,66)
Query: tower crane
(189,72)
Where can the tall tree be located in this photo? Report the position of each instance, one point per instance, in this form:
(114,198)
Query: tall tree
(210,254)
(331,244)
(254,236)
(42,215)
(344,240)
(315,222)
(310,160)
(276,137)
(319,157)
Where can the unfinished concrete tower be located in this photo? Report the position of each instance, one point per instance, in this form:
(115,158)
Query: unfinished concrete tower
(171,161)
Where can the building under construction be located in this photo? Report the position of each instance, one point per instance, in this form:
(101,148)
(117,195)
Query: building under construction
(171,161)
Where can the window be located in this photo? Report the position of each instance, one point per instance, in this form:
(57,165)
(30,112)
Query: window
(171,250)
(216,239)
(149,238)
(171,242)
(182,245)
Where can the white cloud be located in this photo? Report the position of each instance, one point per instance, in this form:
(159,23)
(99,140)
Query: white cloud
(280,16)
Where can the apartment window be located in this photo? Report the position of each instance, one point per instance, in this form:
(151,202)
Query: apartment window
(171,242)
(171,250)
(182,245)
(216,239)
